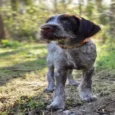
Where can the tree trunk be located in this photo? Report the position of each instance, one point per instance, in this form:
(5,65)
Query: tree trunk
(15,4)
(2,31)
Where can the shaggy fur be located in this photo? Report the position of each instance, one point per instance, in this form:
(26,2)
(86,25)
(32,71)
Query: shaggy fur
(66,51)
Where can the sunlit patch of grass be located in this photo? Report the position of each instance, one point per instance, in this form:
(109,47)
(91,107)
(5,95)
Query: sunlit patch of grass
(15,62)
(21,54)
(22,73)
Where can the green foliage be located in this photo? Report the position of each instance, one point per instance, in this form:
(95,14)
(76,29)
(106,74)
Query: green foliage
(24,25)
(37,103)
(106,56)
(90,10)
(106,62)
(10,44)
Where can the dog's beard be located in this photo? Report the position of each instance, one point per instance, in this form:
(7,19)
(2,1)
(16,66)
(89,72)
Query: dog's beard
(63,42)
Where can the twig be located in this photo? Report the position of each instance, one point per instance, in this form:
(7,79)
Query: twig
(102,112)
(106,104)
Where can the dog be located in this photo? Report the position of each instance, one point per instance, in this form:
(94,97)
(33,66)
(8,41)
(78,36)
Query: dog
(69,47)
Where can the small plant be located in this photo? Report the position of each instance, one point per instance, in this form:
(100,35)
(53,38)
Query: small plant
(37,104)
(10,44)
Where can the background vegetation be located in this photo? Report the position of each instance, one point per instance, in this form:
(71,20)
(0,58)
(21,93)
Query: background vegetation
(22,55)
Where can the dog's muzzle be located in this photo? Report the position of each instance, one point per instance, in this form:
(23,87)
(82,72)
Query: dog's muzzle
(49,28)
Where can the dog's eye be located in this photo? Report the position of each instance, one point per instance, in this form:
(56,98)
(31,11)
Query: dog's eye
(65,21)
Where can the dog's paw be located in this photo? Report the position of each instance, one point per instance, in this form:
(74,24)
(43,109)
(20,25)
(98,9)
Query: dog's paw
(54,107)
(87,96)
(49,89)
(57,104)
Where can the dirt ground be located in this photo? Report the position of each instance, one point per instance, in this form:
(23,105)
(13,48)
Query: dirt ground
(103,87)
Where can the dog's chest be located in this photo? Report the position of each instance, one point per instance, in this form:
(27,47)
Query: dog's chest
(76,57)
(82,56)
(72,57)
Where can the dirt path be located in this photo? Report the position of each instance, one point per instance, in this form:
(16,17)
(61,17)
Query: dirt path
(104,87)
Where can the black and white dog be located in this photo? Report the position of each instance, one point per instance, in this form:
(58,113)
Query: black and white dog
(69,48)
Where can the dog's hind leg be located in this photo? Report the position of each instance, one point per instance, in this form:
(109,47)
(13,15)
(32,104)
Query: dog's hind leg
(50,79)
(70,78)
(85,88)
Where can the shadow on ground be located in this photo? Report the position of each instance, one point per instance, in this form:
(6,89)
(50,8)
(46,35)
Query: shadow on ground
(20,69)
(15,63)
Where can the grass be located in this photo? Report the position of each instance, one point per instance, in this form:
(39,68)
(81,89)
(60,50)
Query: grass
(23,77)
(106,56)
(22,74)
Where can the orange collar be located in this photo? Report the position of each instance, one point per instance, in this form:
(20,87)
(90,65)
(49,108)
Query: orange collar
(84,41)
(76,45)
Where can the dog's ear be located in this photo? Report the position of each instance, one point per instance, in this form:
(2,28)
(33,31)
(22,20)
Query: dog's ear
(89,28)
(86,28)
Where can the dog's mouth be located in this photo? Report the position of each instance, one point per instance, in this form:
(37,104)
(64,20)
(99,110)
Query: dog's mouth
(61,40)
(60,37)
(54,36)
(64,41)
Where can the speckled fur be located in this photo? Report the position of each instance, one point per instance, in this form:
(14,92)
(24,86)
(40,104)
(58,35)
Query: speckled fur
(72,30)
(64,60)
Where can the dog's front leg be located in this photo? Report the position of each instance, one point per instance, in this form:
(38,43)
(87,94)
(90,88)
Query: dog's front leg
(85,88)
(50,79)
(59,97)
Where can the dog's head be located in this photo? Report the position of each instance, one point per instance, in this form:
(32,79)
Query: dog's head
(68,28)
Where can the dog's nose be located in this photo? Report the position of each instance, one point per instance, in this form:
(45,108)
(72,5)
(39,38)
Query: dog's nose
(47,28)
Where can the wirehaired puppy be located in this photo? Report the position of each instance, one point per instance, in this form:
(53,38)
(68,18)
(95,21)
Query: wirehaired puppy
(69,48)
